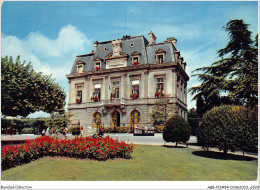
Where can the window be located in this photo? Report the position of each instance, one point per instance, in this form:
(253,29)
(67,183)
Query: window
(160,58)
(98,65)
(135,60)
(135,89)
(80,68)
(160,88)
(115,89)
(97,91)
(160,85)
(79,94)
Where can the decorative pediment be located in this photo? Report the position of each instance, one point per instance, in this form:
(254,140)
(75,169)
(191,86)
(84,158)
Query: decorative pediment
(80,62)
(111,56)
(98,59)
(160,51)
(135,53)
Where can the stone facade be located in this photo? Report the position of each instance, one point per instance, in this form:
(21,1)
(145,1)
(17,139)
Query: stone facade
(119,81)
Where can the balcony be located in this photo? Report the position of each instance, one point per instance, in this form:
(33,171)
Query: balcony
(113,102)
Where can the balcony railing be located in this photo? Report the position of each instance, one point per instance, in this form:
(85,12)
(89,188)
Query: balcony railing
(111,102)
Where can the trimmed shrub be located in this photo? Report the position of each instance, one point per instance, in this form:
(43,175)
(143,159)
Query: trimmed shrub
(229,128)
(176,130)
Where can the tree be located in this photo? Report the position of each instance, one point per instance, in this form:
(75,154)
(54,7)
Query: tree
(193,120)
(162,111)
(176,130)
(229,128)
(235,73)
(25,91)
(57,119)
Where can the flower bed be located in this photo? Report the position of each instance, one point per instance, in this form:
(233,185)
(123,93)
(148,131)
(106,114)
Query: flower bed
(79,147)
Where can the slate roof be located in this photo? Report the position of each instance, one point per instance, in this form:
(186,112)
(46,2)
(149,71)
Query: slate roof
(140,45)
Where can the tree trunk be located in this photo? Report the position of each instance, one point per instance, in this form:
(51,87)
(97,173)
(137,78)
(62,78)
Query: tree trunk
(176,144)
(225,151)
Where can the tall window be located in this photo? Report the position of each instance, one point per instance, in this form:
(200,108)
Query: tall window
(97,91)
(115,89)
(160,59)
(160,85)
(79,94)
(135,89)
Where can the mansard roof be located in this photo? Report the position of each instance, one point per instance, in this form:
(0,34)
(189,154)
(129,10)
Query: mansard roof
(131,46)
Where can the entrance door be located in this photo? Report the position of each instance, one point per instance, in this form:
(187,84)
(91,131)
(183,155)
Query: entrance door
(115,119)
(96,119)
(134,119)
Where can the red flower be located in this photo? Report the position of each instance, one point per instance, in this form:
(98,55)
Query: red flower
(79,147)
(97,68)
(134,96)
(135,63)
(78,100)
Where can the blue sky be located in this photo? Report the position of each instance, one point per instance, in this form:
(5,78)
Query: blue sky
(51,34)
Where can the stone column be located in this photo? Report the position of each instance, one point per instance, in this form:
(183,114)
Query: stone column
(69,94)
(105,88)
(124,82)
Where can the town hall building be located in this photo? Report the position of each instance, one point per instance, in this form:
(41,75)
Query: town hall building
(119,81)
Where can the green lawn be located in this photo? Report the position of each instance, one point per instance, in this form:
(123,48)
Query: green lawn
(148,163)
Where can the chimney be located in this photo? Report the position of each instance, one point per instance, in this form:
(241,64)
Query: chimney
(152,38)
(173,40)
(95,46)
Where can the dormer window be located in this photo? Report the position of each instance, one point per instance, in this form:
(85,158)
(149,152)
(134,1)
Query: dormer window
(80,67)
(160,56)
(97,65)
(135,60)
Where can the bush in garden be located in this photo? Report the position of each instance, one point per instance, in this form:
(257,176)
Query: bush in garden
(79,147)
(118,130)
(229,128)
(74,130)
(27,130)
(176,130)
(159,129)
(108,129)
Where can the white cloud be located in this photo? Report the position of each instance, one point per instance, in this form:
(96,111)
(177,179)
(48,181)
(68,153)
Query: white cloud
(49,56)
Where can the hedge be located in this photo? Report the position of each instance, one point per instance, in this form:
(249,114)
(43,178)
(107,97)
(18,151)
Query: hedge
(229,128)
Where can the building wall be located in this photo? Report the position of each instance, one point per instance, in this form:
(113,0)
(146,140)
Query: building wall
(84,111)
